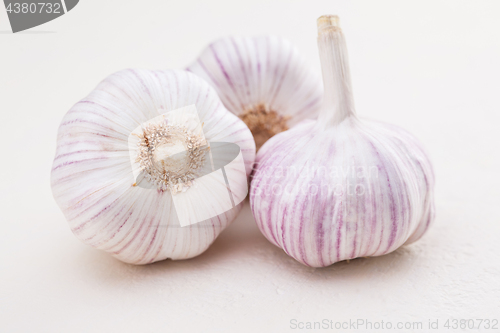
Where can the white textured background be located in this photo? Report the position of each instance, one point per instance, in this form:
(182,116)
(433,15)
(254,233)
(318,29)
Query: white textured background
(431,67)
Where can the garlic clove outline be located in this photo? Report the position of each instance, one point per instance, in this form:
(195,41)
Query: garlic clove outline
(92,178)
(263,80)
(341,187)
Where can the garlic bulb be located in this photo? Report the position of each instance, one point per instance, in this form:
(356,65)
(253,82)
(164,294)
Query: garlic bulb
(341,187)
(130,149)
(263,80)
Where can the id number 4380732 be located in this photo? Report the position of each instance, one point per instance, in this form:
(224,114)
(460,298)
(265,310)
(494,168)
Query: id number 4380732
(471,324)
(40,7)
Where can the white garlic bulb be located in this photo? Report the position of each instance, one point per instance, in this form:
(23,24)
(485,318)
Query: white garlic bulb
(263,80)
(341,187)
(112,207)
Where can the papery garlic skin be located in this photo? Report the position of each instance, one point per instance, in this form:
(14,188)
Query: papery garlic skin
(91,174)
(341,187)
(263,80)
(318,219)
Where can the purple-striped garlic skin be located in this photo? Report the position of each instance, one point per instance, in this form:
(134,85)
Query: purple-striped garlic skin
(361,189)
(263,80)
(92,179)
(341,187)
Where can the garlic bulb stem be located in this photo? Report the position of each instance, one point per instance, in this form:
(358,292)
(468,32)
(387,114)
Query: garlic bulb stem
(338,102)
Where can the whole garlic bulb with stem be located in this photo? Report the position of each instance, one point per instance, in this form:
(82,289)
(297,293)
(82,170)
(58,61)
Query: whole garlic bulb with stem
(341,187)
(263,80)
(93,178)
